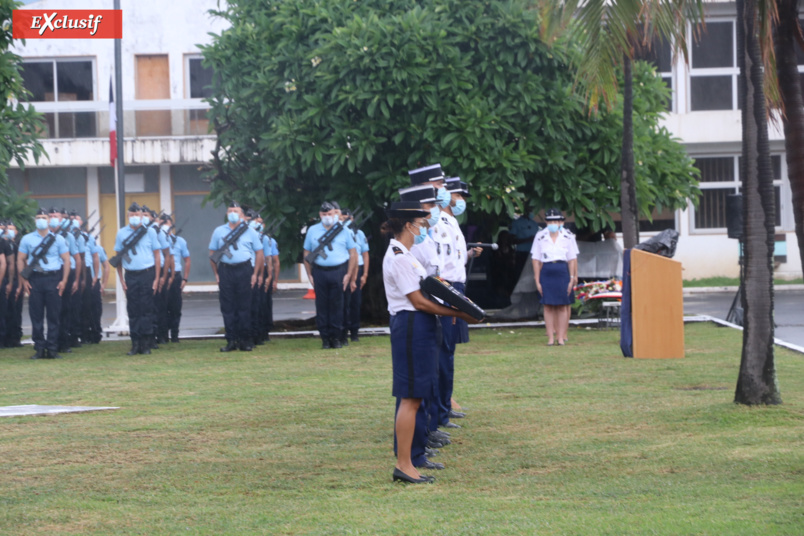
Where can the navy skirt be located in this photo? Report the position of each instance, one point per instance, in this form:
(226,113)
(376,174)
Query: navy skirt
(414,353)
(555,279)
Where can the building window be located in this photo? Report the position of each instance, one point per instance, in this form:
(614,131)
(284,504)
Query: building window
(63,81)
(713,69)
(199,86)
(660,55)
(720,177)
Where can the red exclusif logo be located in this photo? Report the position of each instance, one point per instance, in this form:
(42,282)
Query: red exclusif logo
(67,24)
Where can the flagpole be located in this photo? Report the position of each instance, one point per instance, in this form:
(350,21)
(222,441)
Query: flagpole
(120,324)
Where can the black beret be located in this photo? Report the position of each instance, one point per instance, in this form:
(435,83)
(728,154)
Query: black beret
(53,210)
(335,205)
(407,210)
(250,213)
(41,212)
(73,213)
(134,207)
(145,208)
(425,174)
(326,206)
(234,204)
(63,210)
(346,212)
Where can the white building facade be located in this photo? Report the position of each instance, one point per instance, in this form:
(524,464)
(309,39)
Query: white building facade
(167,140)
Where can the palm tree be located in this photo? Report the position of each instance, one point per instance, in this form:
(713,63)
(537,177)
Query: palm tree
(785,45)
(756,383)
(610,34)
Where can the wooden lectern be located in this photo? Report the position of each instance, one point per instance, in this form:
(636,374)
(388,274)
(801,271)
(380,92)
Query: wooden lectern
(657,306)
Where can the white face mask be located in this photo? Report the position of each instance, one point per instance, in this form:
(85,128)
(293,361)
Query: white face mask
(166,228)
(328,221)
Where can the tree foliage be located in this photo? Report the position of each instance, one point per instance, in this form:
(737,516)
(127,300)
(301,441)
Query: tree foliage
(335,99)
(19,124)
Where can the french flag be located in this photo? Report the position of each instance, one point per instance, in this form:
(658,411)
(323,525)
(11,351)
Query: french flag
(112,126)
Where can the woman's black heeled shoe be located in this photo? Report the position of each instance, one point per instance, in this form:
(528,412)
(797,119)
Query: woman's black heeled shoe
(399,476)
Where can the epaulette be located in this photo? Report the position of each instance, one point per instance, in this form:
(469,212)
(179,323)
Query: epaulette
(567,232)
(397,251)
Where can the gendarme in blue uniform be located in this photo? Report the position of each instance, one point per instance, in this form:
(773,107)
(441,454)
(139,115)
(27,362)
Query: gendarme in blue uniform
(141,255)
(341,245)
(247,244)
(30,242)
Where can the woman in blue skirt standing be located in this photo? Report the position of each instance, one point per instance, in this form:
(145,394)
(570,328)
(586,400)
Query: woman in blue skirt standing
(414,349)
(555,263)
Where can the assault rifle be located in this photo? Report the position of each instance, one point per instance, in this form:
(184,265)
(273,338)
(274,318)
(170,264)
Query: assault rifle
(359,220)
(229,240)
(38,254)
(324,242)
(270,228)
(177,233)
(128,246)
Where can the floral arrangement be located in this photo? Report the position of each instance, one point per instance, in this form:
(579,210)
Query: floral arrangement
(584,306)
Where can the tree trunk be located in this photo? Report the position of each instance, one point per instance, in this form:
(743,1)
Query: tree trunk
(789,87)
(756,383)
(628,207)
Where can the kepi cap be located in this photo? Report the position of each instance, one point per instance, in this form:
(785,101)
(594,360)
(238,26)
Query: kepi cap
(553,214)
(421,193)
(425,174)
(407,209)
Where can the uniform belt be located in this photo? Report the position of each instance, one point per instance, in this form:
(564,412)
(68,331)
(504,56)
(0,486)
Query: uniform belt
(554,262)
(331,268)
(236,265)
(46,274)
(137,272)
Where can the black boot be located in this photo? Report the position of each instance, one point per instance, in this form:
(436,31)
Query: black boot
(53,355)
(135,347)
(230,346)
(246,346)
(40,354)
(146,345)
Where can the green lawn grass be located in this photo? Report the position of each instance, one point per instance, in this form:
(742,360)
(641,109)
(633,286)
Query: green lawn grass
(291,439)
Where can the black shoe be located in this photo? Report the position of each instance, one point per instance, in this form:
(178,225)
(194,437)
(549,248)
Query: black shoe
(144,349)
(230,347)
(456,414)
(40,354)
(399,476)
(439,435)
(452,425)
(65,350)
(355,338)
(259,343)
(336,343)
(344,342)
(435,444)
(430,465)
(430,453)
(75,344)
(174,340)
(325,345)
(246,346)
(53,355)
(162,340)
(152,345)
(135,348)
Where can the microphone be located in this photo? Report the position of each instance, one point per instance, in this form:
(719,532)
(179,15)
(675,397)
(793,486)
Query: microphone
(494,247)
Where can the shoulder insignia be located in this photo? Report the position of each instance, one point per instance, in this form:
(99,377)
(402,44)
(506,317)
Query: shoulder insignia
(567,232)
(397,251)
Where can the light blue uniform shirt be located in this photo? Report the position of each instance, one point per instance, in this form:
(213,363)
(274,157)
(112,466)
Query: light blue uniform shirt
(179,251)
(269,246)
(88,251)
(362,246)
(247,244)
(29,243)
(72,248)
(142,254)
(341,245)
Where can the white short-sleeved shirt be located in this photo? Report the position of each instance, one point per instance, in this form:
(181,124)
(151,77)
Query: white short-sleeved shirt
(453,257)
(402,274)
(563,249)
(427,254)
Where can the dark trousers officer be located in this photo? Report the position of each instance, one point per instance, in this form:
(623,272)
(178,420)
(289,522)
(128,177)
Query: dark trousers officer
(174,303)
(268,310)
(161,326)
(257,304)
(356,299)
(446,361)
(65,322)
(76,315)
(235,300)
(13,318)
(140,305)
(328,282)
(45,299)
(95,301)
(3,312)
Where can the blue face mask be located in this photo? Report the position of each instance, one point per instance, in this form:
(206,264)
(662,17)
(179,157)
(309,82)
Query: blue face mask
(253,224)
(54,222)
(74,224)
(328,221)
(41,224)
(443,198)
(11,234)
(233,217)
(435,213)
(459,208)
(419,238)
(552,227)
(135,220)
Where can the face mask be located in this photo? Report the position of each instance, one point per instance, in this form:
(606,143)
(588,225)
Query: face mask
(233,217)
(328,221)
(11,234)
(435,213)
(146,220)
(443,198)
(552,227)
(74,224)
(54,222)
(166,228)
(253,224)
(419,238)
(459,208)
(41,224)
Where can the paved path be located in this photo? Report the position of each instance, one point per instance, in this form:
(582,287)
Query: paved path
(201,314)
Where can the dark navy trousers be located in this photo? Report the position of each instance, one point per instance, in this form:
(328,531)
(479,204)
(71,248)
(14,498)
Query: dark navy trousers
(140,303)
(351,308)
(235,300)
(45,299)
(65,323)
(328,283)
(174,303)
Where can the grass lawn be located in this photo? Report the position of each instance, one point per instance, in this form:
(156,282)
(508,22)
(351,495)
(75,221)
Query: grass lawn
(291,439)
(723,281)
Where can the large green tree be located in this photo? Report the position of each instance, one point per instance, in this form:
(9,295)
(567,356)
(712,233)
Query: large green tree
(337,99)
(19,124)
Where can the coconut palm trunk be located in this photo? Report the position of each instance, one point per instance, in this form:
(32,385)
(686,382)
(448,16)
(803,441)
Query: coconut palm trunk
(756,383)
(628,207)
(790,90)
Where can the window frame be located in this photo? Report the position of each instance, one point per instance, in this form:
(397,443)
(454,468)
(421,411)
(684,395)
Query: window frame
(702,72)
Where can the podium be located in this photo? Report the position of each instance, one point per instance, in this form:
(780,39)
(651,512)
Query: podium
(652,325)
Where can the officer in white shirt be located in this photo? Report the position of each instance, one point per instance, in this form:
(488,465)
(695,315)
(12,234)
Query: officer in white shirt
(555,266)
